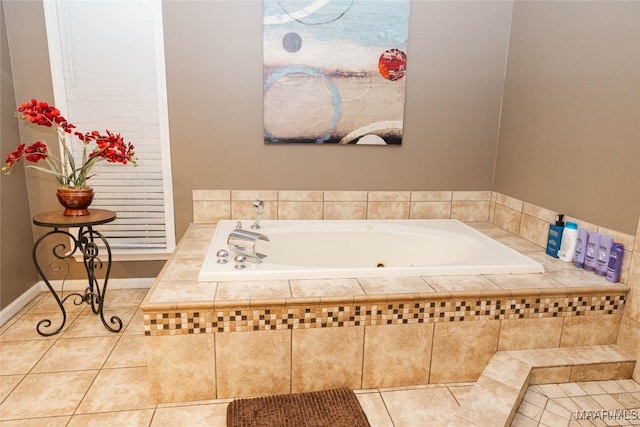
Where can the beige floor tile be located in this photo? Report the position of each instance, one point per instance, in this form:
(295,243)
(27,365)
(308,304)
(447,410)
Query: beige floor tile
(490,403)
(76,354)
(431,407)
(460,392)
(88,324)
(25,327)
(19,357)
(47,395)
(119,389)
(8,383)
(213,415)
(37,422)
(557,409)
(551,419)
(591,387)
(375,410)
(48,304)
(129,352)
(530,411)
(607,401)
(572,389)
(139,418)
(170,379)
(587,403)
(120,298)
(627,400)
(535,398)
(567,404)
(611,386)
(552,391)
(136,324)
(629,385)
(521,420)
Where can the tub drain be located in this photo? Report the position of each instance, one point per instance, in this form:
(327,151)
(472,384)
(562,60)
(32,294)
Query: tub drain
(380,264)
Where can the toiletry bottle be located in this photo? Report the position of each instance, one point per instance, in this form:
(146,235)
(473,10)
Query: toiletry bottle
(581,248)
(615,262)
(602,259)
(592,251)
(568,242)
(555,236)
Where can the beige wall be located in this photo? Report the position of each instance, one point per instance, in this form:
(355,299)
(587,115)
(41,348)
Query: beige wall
(570,127)
(457,59)
(456,62)
(15,225)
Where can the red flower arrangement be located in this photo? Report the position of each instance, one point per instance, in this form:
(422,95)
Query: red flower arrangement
(110,147)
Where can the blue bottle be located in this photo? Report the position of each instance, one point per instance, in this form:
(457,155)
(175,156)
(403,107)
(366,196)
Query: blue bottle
(555,236)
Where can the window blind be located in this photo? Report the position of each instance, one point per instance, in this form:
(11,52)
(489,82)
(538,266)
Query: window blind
(108,73)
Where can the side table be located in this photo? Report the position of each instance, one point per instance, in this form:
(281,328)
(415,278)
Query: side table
(85,244)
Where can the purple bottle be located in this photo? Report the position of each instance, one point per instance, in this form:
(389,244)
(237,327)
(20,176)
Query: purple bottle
(602,257)
(615,262)
(581,248)
(592,251)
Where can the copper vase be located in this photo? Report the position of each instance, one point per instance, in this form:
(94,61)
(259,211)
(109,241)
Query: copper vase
(75,201)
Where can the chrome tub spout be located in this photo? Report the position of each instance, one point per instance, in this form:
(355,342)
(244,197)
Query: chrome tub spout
(243,242)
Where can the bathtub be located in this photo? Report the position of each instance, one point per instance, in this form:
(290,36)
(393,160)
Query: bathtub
(364,248)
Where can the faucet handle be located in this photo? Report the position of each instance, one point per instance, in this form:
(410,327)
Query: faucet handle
(239,225)
(240,261)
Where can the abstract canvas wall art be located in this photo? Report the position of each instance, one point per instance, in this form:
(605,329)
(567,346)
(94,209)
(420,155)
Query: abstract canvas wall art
(335,71)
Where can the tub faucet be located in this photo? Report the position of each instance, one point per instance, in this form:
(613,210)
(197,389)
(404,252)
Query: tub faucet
(258,206)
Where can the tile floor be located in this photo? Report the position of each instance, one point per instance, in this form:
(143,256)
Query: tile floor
(86,375)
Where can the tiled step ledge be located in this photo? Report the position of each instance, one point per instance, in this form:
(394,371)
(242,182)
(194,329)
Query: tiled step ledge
(179,317)
(496,395)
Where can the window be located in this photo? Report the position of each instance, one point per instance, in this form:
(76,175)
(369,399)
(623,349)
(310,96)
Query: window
(107,65)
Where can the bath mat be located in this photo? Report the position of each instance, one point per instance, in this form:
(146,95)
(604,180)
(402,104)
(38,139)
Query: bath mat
(327,408)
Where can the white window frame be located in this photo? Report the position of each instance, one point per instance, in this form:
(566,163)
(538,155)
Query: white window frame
(57,75)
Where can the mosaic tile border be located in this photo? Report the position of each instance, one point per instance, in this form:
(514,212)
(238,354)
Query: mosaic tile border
(245,319)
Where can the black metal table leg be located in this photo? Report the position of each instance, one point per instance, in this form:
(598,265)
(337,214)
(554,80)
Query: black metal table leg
(86,245)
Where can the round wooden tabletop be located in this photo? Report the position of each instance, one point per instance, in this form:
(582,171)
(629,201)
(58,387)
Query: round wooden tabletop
(57,219)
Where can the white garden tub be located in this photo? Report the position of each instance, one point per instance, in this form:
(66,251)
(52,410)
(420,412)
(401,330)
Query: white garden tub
(363,248)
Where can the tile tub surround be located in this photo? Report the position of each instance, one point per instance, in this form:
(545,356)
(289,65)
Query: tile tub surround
(265,337)
(520,218)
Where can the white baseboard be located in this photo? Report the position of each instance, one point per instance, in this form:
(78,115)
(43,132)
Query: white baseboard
(19,303)
(80,284)
(70,285)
